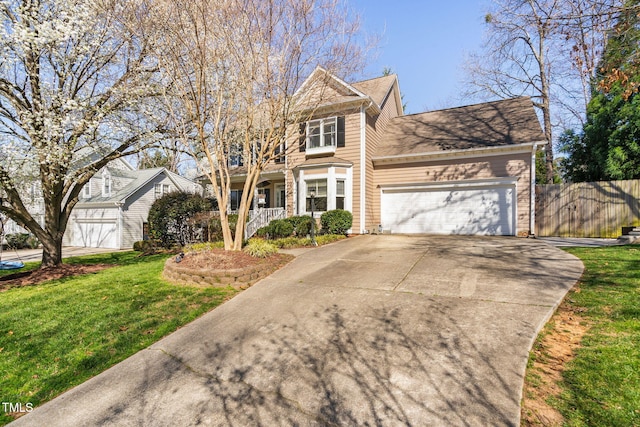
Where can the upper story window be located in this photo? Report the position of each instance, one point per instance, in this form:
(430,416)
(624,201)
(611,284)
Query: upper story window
(86,190)
(160,190)
(321,133)
(235,160)
(106,184)
(322,136)
(280,153)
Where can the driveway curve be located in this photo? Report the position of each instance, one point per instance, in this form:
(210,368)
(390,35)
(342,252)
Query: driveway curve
(373,330)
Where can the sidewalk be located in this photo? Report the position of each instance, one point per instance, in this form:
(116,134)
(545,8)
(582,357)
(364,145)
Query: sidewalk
(28,255)
(565,242)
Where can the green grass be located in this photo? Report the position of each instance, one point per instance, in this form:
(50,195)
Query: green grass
(602,384)
(56,335)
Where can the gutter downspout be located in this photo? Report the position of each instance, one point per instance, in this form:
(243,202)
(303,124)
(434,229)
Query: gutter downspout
(532,186)
(363,166)
(120,204)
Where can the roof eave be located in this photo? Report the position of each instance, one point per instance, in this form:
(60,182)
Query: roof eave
(372,108)
(456,154)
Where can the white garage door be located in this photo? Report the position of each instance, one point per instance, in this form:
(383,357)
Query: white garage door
(479,210)
(95,234)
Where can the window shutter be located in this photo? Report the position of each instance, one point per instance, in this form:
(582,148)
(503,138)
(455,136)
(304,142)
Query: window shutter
(302,139)
(340,131)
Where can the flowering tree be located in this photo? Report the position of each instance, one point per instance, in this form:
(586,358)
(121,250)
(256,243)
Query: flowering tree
(76,84)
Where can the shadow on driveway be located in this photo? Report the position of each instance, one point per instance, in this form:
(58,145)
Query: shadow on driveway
(375,330)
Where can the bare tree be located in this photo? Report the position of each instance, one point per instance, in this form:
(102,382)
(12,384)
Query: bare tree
(75,85)
(232,69)
(547,49)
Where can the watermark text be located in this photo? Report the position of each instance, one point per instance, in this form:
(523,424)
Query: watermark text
(17,407)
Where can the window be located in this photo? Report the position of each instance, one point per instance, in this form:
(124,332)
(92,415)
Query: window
(106,184)
(236,196)
(319,188)
(281,197)
(236,158)
(86,190)
(340,194)
(160,190)
(279,153)
(322,136)
(321,133)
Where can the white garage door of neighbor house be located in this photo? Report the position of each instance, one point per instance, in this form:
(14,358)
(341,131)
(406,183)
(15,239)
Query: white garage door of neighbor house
(95,234)
(487,210)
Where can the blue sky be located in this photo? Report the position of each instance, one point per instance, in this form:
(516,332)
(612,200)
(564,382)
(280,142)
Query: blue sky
(424,42)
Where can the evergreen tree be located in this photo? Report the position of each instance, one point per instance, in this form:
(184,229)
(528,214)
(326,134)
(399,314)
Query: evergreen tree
(609,147)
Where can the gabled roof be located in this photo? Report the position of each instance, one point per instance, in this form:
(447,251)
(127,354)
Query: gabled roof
(86,155)
(324,90)
(493,124)
(138,179)
(377,88)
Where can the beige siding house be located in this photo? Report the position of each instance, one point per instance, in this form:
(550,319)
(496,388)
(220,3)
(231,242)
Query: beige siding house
(466,170)
(114,206)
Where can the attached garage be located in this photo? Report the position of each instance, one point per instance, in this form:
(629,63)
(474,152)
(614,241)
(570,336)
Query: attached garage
(95,234)
(467,208)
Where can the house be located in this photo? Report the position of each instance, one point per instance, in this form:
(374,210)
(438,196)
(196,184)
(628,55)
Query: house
(467,170)
(114,205)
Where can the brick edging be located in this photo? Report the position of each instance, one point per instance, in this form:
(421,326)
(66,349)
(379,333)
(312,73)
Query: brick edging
(239,278)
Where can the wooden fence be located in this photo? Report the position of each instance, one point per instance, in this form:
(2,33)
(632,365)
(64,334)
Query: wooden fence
(587,209)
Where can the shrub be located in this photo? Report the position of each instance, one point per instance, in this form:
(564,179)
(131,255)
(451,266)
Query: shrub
(260,248)
(170,217)
(337,221)
(280,228)
(264,232)
(329,238)
(290,242)
(22,241)
(146,246)
(301,225)
(204,246)
(215,227)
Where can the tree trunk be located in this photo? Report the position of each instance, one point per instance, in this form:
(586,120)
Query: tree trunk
(51,252)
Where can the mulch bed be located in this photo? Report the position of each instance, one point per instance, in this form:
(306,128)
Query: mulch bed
(34,277)
(219,259)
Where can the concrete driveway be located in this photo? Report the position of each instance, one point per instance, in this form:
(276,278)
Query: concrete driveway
(374,330)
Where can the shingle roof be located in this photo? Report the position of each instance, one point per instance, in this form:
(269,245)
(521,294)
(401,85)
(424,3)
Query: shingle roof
(376,88)
(322,89)
(491,124)
(325,161)
(137,179)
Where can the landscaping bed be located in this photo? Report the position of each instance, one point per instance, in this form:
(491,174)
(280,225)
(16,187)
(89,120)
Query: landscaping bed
(33,277)
(217,267)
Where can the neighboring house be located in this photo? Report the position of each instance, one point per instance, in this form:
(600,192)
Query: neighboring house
(114,206)
(467,170)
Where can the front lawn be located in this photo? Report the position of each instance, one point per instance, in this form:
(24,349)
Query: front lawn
(600,385)
(56,335)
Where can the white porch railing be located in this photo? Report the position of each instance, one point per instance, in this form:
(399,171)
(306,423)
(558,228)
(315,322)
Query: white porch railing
(260,218)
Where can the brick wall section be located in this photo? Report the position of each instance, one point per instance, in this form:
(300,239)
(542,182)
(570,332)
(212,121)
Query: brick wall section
(239,278)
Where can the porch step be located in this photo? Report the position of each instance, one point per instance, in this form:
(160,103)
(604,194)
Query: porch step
(630,235)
